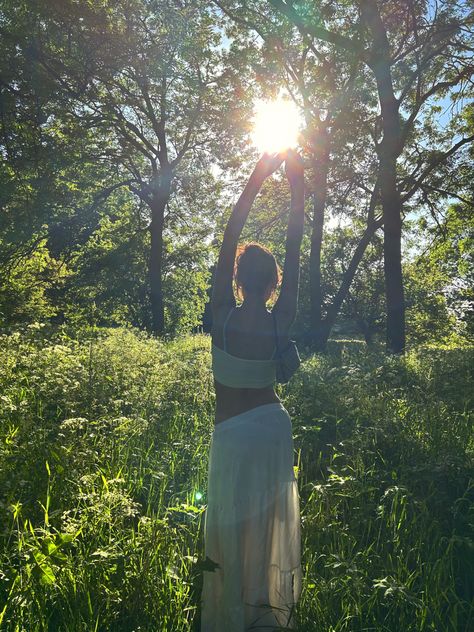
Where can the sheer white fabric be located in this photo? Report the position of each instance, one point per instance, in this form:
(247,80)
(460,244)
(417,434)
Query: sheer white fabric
(252,524)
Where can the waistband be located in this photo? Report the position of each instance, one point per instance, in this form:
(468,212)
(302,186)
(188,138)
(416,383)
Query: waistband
(250,415)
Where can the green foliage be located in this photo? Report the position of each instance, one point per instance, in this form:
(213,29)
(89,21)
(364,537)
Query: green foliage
(428,317)
(186,292)
(26,285)
(363,310)
(440,279)
(388,448)
(104,438)
(109,282)
(98,536)
(94,94)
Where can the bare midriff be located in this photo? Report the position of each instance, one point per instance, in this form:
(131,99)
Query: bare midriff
(232,401)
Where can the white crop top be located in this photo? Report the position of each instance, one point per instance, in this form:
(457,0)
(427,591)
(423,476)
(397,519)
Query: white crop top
(231,370)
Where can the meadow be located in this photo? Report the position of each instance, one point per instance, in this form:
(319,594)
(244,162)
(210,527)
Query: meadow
(104,438)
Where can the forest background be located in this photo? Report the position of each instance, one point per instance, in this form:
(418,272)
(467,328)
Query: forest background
(125,139)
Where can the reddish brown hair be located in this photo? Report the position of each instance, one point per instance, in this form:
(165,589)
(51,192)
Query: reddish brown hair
(255,270)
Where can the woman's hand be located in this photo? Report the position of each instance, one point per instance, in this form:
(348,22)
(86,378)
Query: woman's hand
(294,167)
(268,164)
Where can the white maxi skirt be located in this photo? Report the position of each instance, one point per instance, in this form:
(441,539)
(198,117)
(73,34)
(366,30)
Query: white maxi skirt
(252,524)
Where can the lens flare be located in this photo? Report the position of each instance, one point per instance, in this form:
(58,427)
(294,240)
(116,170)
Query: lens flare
(276,125)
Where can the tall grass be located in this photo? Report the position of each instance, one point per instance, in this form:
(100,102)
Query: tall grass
(104,439)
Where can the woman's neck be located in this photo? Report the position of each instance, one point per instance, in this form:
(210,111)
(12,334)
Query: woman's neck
(254,305)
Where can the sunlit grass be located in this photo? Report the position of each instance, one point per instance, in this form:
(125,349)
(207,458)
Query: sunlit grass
(104,439)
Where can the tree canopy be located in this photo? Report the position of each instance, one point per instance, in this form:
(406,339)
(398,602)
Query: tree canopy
(125,136)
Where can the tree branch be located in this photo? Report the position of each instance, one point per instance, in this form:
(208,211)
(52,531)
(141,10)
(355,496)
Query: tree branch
(316,31)
(441,158)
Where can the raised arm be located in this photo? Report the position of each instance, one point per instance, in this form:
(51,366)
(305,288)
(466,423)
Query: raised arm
(286,304)
(222,292)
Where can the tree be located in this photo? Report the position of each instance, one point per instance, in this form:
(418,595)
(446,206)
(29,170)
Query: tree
(151,78)
(442,276)
(332,99)
(411,54)
(47,185)
(406,50)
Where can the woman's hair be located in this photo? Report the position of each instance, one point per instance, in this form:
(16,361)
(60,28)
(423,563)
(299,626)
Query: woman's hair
(256,270)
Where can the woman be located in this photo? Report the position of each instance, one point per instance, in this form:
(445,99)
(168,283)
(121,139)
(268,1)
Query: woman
(252,523)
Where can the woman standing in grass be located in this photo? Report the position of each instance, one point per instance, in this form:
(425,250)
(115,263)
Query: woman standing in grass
(252,524)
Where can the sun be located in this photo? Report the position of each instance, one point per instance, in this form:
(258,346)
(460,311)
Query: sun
(276,125)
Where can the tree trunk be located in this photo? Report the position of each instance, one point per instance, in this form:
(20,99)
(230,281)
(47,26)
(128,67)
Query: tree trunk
(388,151)
(157,207)
(365,330)
(392,249)
(334,308)
(316,295)
(321,168)
(392,214)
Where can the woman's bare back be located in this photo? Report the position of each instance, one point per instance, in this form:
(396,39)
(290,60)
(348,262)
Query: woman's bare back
(250,335)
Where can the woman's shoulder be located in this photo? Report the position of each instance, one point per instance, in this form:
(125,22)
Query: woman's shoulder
(220,315)
(223,312)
